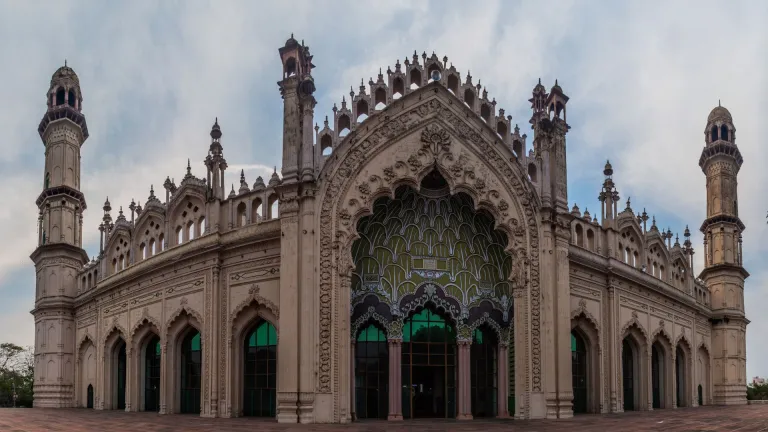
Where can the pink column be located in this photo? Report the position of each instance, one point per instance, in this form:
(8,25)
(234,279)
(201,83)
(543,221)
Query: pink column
(395,380)
(353,401)
(464,405)
(502,385)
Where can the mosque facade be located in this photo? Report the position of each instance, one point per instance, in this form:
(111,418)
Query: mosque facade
(415,258)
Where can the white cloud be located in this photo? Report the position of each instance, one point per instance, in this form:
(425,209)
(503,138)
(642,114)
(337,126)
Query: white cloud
(642,79)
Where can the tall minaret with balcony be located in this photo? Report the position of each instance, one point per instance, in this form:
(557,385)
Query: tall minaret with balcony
(723,272)
(59,254)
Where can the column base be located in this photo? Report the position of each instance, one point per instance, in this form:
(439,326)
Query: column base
(504,416)
(306,408)
(464,417)
(395,417)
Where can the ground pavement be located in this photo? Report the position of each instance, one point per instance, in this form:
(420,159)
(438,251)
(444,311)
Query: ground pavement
(748,418)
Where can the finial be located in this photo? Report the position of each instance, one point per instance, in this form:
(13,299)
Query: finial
(275,172)
(628,201)
(555,81)
(539,80)
(189,168)
(121,211)
(718,101)
(291,38)
(65,65)
(242,175)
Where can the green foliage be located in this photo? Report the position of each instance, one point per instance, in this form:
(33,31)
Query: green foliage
(757,391)
(16,371)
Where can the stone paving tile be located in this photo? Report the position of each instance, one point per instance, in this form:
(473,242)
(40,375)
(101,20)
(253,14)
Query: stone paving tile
(752,418)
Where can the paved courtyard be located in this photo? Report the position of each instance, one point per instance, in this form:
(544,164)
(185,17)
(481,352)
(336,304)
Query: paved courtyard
(751,418)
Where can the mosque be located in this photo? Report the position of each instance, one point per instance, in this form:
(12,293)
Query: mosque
(417,257)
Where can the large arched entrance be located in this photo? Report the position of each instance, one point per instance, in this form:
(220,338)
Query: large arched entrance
(152,358)
(579,372)
(190,371)
(429,366)
(371,373)
(260,371)
(427,264)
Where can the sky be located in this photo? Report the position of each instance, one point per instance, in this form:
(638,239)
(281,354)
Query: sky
(641,76)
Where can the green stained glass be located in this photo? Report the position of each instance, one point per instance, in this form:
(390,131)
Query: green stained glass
(573,343)
(372,334)
(157,348)
(477,337)
(264,335)
(195,343)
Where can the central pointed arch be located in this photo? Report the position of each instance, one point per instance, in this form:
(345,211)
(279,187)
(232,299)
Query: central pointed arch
(183,383)
(425,131)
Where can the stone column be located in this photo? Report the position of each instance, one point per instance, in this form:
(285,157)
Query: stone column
(288,372)
(307,301)
(353,404)
(214,341)
(395,379)
(674,378)
(648,374)
(614,345)
(130,376)
(163,377)
(502,382)
(464,396)
(563,318)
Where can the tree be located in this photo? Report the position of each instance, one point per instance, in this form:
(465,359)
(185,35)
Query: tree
(757,391)
(16,374)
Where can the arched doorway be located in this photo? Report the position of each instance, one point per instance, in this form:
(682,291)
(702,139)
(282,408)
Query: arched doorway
(628,371)
(371,373)
(191,369)
(428,366)
(657,375)
(700,395)
(484,368)
(89,397)
(152,353)
(260,371)
(119,378)
(579,372)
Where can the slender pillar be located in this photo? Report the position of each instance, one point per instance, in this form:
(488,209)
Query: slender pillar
(464,405)
(163,377)
(395,380)
(648,375)
(129,376)
(352,399)
(214,341)
(502,383)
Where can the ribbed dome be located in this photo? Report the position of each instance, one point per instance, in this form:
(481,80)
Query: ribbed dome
(720,113)
(65,73)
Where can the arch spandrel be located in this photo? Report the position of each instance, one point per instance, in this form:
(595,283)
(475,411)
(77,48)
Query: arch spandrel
(400,146)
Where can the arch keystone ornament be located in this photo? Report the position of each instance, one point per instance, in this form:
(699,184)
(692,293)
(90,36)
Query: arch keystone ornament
(401,149)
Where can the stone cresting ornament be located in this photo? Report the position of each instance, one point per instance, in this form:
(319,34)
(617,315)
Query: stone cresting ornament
(341,173)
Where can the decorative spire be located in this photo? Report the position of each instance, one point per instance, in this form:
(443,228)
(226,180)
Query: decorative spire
(608,170)
(259,184)
(243,184)
(628,204)
(232,194)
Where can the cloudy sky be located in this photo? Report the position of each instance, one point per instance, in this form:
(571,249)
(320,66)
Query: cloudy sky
(642,78)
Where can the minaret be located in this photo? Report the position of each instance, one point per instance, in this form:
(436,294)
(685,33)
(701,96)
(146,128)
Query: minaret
(297,87)
(59,254)
(609,197)
(550,127)
(723,272)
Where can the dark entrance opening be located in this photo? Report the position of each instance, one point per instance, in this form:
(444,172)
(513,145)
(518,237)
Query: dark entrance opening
(680,376)
(579,372)
(260,385)
(701,395)
(428,366)
(152,375)
(657,369)
(120,377)
(191,367)
(371,374)
(628,375)
(89,400)
(484,372)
